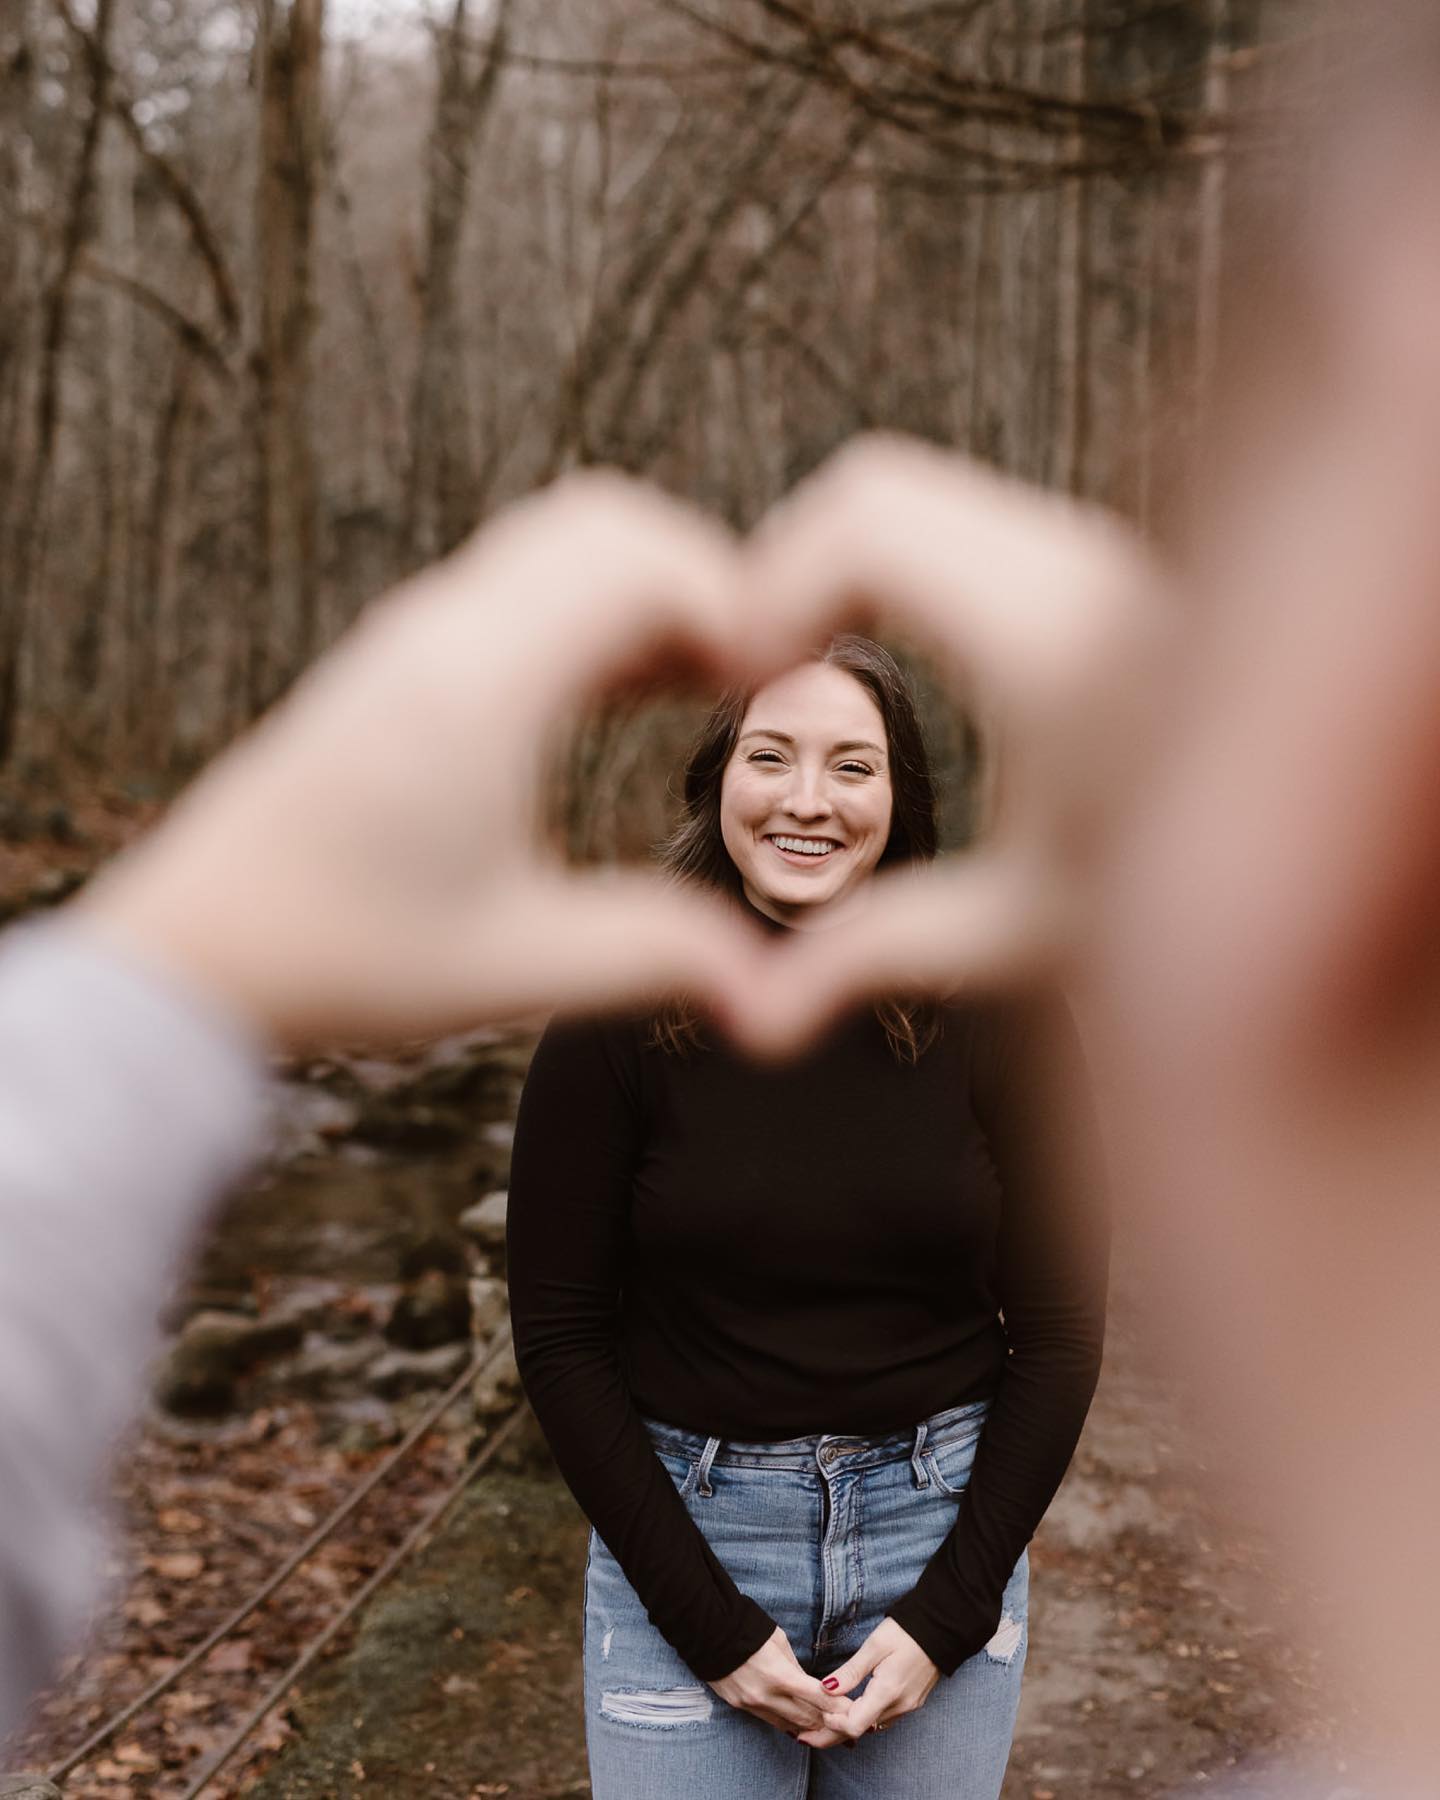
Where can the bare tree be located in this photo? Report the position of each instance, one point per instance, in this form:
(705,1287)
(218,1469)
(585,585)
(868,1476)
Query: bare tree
(289,58)
(34,488)
(706,240)
(441,489)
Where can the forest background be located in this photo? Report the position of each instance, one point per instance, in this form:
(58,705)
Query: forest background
(293,293)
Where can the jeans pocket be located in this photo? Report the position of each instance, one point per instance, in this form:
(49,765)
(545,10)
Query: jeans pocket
(948,1463)
(683,1471)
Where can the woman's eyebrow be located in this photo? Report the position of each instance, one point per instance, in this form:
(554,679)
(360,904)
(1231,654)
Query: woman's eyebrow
(784,737)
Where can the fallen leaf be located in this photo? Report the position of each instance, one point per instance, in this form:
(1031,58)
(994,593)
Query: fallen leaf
(179,1519)
(177,1565)
(230,1658)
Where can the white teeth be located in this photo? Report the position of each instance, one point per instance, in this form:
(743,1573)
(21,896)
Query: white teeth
(806,846)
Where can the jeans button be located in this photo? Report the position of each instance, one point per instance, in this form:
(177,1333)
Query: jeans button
(828,1454)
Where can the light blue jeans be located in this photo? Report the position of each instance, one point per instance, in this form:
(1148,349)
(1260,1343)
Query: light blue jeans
(826,1533)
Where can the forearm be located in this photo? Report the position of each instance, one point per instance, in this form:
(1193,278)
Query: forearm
(609,1464)
(1028,1441)
(125,1108)
(1052,1274)
(578,1135)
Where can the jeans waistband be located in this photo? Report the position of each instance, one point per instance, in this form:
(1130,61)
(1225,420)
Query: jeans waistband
(855,1450)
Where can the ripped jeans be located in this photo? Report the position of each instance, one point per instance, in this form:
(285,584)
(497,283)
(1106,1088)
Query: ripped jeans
(826,1533)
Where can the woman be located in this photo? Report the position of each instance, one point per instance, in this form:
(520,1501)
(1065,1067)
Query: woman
(758,1313)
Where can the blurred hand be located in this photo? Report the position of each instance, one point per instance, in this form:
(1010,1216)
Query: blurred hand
(364,863)
(1052,619)
(901,1678)
(772,1685)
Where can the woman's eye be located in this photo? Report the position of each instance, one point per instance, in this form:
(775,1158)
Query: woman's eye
(856,768)
(765,756)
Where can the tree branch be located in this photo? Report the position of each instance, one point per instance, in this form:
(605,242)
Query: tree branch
(169,178)
(191,334)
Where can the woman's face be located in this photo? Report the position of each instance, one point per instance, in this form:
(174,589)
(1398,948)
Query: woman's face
(805,799)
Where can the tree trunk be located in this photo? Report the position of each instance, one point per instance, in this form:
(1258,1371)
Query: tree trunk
(55,319)
(283,628)
(441,492)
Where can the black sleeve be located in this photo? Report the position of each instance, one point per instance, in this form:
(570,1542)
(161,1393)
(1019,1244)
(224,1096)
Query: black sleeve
(1031,1097)
(577,1138)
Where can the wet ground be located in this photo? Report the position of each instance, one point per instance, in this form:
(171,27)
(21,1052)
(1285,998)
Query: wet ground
(1155,1664)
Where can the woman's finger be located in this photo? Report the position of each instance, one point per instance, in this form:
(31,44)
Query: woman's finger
(790,1712)
(839,1683)
(872,1708)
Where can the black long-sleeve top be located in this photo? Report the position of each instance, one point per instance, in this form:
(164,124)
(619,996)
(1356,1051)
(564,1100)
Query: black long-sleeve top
(846,1243)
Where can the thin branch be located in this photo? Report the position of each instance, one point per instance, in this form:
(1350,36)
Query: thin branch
(174,184)
(685,277)
(628,68)
(937,91)
(729,327)
(191,334)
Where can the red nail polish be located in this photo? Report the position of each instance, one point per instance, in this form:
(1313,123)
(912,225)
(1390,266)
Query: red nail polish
(830,1683)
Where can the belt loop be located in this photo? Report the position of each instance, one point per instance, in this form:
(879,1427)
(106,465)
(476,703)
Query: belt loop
(922,1480)
(702,1473)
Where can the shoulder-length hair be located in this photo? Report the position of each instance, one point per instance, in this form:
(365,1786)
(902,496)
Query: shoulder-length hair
(695,851)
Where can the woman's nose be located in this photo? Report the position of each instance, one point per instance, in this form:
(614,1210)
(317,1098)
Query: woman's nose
(807,797)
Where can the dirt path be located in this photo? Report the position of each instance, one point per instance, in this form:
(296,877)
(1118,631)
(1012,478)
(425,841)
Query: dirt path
(1153,1663)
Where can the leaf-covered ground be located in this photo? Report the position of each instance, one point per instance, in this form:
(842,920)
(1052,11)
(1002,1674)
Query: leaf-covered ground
(201,1526)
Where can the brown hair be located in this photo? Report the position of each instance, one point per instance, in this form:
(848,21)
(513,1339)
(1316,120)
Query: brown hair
(695,851)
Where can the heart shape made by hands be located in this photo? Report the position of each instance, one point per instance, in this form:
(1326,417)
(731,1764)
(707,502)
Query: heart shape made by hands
(366,863)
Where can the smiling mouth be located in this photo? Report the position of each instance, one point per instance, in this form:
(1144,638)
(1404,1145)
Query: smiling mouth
(803,849)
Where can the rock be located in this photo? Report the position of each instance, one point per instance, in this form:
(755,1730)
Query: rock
(305,1120)
(402,1372)
(326,1370)
(182,1307)
(198,1375)
(394,1123)
(497,1388)
(489,1305)
(362,1426)
(434,1303)
(335,1309)
(28,1787)
(485,1220)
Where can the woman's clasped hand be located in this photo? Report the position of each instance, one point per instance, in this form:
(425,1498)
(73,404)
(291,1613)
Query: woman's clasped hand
(772,1685)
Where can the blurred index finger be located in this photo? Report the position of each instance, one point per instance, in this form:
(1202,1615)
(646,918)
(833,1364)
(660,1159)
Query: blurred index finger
(602,576)
(1020,592)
